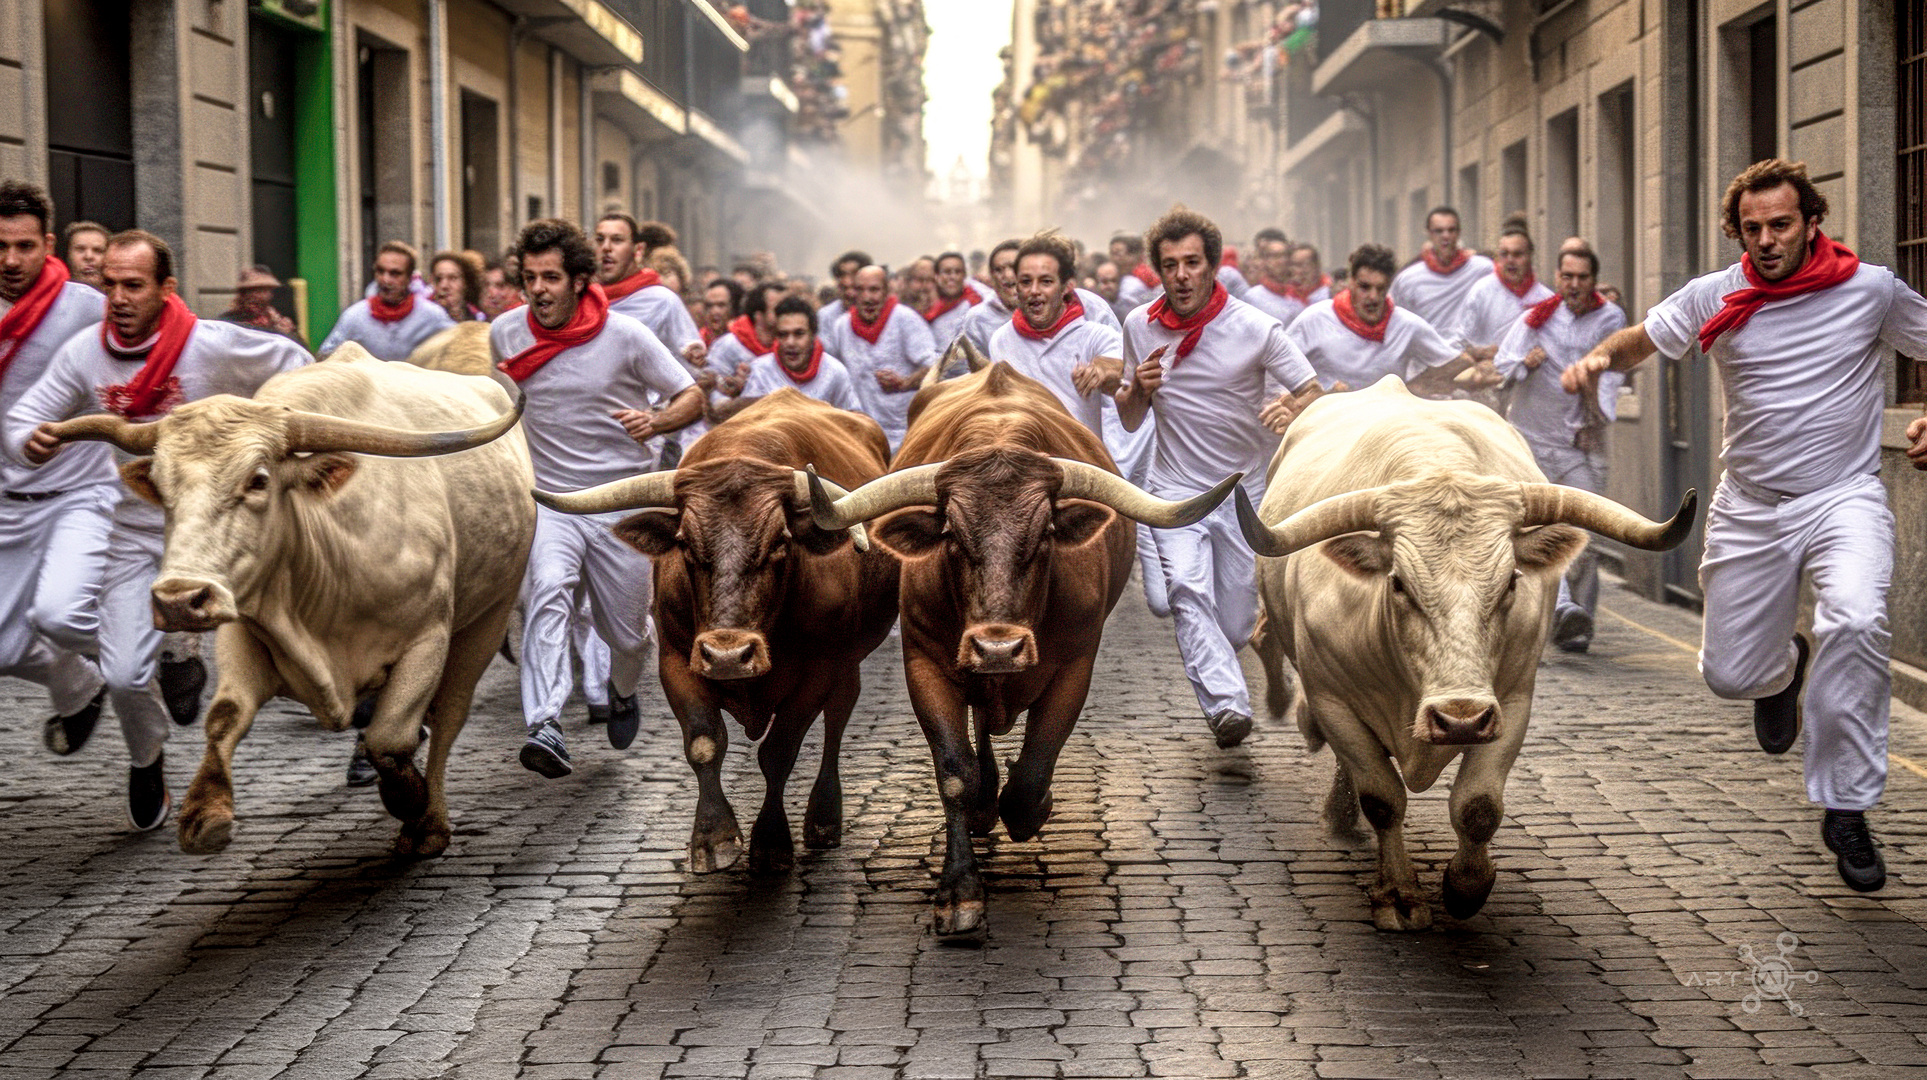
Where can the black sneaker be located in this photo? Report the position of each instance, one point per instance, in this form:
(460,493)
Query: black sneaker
(1572,630)
(361,767)
(1860,864)
(545,751)
(147,800)
(598,713)
(1776,719)
(1229,727)
(67,734)
(625,719)
(181,684)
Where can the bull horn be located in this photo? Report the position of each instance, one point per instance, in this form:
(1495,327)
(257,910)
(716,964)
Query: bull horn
(1354,511)
(1546,504)
(1082,480)
(935,375)
(859,533)
(137,439)
(629,493)
(974,356)
(318,433)
(915,486)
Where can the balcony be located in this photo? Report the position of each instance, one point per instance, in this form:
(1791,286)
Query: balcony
(591,32)
(1377,56)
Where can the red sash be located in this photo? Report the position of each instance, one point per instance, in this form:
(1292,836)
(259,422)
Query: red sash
(385,312)
(1519,290)
(1193,327)
(869,331)
(154,389)
(631,285)
(809,372)
(1342,307)
(24,317)
(591,314)
(1437,267)
(1828,264)
(744,330)
(1073,311)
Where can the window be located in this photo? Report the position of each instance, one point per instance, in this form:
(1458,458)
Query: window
(1910,187)
(1467,200)
(1614,243)
(1512,166)
(1562,178)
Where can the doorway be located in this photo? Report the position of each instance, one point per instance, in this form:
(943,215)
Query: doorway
(90,135)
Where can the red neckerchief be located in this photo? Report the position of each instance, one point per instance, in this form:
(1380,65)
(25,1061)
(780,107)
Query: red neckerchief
(1342,307)
(1142,272)
(154,389)
(1303,296)
(1073,311)
(971,294)
(631,285)
(869,331)
(744,329)
(591,313)
(708,335)
(942,307)
(1541,313)
(1192,327)
(1280,288)
(1437,267)
(1519,291)
(809,372)
(24,317)
(385,312)
(1828,264)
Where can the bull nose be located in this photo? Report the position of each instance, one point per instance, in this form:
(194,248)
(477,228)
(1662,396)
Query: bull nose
(1459,721)
(998,650)
(730,654)
(188,605)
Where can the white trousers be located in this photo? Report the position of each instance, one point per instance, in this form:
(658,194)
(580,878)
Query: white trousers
(1210,575)
(1758,547)
(130,646)
(579,552)
(53,555)
(1574,467)
(591,652)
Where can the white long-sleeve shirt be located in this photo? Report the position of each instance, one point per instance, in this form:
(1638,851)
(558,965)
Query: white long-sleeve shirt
(387,340)
(1544,413)
(78,309)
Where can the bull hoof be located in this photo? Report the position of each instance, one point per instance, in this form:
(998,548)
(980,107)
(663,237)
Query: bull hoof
(1400,913)
(709,856)
(206,833)
(771,861)
(1022,824)
(1466,893)
(819,835)
(960,919)
(421,842)
(981,820)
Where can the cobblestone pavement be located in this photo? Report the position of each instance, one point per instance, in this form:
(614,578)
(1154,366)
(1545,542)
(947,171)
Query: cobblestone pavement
(1182,915)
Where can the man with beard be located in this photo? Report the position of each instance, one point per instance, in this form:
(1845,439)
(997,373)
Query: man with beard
(1798,330)
(149,356)
(799,363)
(1201,360)
(390,323)
(1567,432)
(887,347)
(54,522)
(954,300)
(1435,285)
(1050,338)
(586,371)
(1494,303)
(1360,336)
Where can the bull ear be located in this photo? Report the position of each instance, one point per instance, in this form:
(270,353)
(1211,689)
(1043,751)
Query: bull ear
(909,534)
(1549,547)
(652,532)
(324,474)
(1075,522)
(138,474)
(1362,554)
(814,540)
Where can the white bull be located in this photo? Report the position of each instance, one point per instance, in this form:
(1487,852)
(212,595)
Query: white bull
(1414,556)
(329,575)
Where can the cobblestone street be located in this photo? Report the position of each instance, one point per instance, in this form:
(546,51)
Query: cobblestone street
(1183,914)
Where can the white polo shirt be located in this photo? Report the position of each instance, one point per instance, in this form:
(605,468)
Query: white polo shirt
(1051,360)
(1206,409)
(1802,378)
(830,385)
(574,440)
(387,340)
(1338,355)
(905,346)
(1436,298)
(1544,413)
(1490,309)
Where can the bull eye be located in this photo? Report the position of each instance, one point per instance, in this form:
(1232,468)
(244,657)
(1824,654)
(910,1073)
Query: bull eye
(259,481)
(1398,585)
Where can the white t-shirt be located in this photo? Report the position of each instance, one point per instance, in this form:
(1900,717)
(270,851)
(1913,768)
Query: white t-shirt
(830,312)
(1277,305)
(1233,281)
(991,316)
(1490,309)
(831,384)
(1051,360)
(1207,407)
(1133,293)
(1436,298)
(1802,378)
(1339,355)
(905,346)
(383,340)
(219,358)
(1544,413)
(945,327)
(574,440)
(727,352)
(77,309)
(663,312)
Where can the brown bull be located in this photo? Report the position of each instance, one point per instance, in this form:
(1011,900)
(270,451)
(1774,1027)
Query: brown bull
(758,612)
(1017,550)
